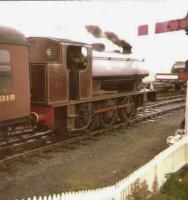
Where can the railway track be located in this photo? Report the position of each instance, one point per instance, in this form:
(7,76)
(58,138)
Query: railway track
(169,97)
(37,143)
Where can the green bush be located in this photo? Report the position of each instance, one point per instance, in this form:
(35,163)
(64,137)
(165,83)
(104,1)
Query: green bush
(174,189)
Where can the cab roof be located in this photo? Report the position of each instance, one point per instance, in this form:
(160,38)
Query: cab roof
(60,40)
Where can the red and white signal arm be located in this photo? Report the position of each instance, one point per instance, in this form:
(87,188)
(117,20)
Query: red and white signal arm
(173,25)
(167,26)
(143,30)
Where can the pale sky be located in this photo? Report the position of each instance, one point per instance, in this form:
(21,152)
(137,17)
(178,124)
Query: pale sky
(66,19)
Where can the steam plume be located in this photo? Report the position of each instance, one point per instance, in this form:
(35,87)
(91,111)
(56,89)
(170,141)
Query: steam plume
(98,33)
(121,43)
(94,30)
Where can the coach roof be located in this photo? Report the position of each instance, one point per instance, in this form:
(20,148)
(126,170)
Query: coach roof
(11,36)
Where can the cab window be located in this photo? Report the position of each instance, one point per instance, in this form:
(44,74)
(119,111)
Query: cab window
(77,57)
(5,71)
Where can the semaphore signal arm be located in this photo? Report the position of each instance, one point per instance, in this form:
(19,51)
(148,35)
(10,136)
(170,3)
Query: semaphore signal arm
(167,26)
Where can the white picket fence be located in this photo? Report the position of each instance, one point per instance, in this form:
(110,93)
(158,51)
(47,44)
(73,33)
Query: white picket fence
(168,161)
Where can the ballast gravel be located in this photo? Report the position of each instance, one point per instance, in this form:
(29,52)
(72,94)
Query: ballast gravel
(90,164)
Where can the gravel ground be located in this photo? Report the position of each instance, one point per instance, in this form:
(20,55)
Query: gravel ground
(91,164)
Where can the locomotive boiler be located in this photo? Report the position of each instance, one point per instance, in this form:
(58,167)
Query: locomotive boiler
(116,71)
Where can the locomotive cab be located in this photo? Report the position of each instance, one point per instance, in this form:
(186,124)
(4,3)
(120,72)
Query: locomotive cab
(60,75)
(59,70)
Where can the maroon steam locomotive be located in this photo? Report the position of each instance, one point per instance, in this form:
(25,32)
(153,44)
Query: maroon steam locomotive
(70,87)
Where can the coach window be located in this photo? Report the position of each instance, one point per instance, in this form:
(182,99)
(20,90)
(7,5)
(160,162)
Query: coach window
(5,71)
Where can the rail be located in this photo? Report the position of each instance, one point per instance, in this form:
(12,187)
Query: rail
(50,142)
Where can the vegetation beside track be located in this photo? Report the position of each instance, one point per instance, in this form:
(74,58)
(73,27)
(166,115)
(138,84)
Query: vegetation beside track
(176,188)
